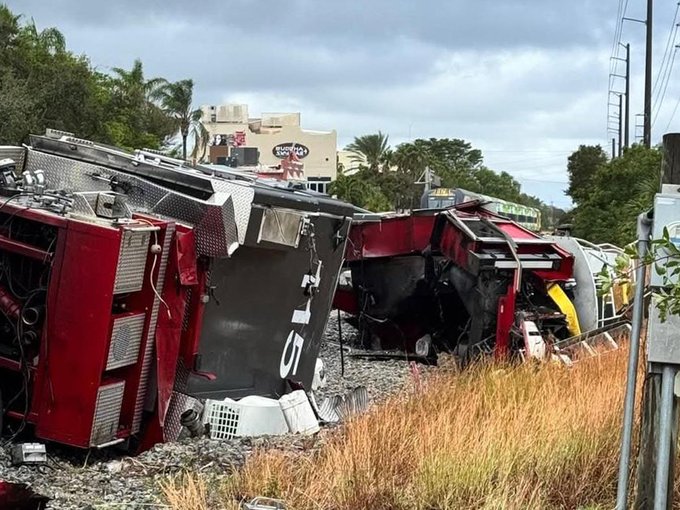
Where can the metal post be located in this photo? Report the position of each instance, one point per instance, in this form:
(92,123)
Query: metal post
(627,123)
(644,226)
(342,347)
(647,136)
(613,148)
(665,428)
(620,124)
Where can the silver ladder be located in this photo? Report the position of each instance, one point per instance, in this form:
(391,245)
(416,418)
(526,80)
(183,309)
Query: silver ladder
(592,343)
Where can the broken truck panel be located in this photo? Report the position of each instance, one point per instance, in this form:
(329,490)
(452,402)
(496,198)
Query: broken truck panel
(389,235)
(132,284)
(463,284)
(262,312)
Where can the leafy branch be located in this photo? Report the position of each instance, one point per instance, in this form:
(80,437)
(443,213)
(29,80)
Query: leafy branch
(664,256)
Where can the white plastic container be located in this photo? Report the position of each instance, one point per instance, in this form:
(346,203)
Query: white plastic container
(249,416)
(298,413)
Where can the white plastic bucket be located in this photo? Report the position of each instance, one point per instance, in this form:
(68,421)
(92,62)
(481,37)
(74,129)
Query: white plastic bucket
(298,413)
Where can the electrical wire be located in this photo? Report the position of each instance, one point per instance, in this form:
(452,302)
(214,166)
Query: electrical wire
(677,103)
(659,102)
(666,69)
(671,35)
(153,266)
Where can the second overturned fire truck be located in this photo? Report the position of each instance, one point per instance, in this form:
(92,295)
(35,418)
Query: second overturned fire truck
(133,287)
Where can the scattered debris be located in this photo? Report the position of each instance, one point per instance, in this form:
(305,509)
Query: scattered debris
(249,416)
(264,504)
(110,477)
(28,454)
(191,420)
(298,413)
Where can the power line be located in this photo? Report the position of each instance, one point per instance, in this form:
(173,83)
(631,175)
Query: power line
(671,35)
(673,114)
(530,160)
(540,180)
(666,67)
(620,14)
(663,94)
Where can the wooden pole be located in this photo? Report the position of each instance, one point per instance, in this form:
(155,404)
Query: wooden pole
(671,158)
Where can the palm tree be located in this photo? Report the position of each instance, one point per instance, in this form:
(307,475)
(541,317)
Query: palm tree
(370,149)
(175,99)
(9,26)
(201,137)
(133,86)
(50,39)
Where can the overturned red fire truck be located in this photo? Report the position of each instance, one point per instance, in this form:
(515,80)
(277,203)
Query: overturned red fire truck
(130,283)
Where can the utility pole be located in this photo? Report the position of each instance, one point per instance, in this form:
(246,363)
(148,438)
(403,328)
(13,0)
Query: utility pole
(620,124)
(627,123)
(613,148)
(647,136)
(647,126)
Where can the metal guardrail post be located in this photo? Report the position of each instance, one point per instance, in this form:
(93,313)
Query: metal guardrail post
(644,227)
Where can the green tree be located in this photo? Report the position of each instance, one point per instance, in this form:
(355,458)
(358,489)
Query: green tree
(49,39)
(134,86)
(176,100)
(137,122)
(500,185)
(17,108)
(48,85)
(201,137)
(373,150)
(43,84)
(9,28)
(582,166)
(361,190)
(619,191)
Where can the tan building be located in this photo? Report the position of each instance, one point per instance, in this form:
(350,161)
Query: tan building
(350,163)
(269,139)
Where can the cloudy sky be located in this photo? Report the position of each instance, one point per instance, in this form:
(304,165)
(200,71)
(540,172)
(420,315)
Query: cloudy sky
(526,81)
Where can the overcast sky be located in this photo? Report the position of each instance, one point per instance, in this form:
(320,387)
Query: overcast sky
(524,80)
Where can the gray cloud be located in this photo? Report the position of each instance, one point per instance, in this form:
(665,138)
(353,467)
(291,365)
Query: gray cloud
(524,80)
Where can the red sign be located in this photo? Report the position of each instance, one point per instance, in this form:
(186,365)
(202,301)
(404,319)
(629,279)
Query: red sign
(239,138)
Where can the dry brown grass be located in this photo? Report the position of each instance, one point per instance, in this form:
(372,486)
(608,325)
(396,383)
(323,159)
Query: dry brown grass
(488,438)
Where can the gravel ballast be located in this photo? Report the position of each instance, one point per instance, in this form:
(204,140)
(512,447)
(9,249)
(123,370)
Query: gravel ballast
(107,479)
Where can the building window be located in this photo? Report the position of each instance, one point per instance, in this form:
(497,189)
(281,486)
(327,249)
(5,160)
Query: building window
(213,118)
(319,184)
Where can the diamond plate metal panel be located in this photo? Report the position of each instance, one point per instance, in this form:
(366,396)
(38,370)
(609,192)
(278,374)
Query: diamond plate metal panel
(107,413)
(242,196)
(81,205)
(73,175)
(214,219)
(213,223)
(181,376)
(134,250)
(148,355)
(126,337)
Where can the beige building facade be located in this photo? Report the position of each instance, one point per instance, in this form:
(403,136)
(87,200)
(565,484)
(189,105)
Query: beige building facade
(270,138)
